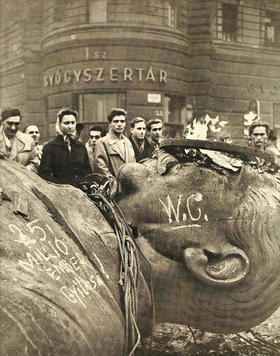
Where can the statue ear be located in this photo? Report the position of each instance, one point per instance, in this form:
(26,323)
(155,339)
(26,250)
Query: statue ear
(225,269)
(131,177)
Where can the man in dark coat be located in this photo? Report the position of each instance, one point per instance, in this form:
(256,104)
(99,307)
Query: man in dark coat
(140,143)
(65,159)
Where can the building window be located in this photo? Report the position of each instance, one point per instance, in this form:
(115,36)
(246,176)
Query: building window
(97,11)
(173,107)
(94,108)
(271,28)
(229,21)
(171,11)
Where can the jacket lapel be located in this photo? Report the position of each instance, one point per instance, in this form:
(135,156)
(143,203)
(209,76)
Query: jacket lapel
(17,147)
(114,146)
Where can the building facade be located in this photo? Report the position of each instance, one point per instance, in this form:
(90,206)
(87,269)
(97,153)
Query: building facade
(160,58)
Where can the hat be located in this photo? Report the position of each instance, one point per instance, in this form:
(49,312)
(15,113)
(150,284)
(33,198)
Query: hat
(9,113)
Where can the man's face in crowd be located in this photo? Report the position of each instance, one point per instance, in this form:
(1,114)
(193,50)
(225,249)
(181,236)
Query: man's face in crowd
(259,137)
(118,124)
(93,137)
(11,125)
(156,132)
(33,131)
(68,124)
(139,130)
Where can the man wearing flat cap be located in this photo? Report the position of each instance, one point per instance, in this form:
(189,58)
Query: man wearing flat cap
(15,145)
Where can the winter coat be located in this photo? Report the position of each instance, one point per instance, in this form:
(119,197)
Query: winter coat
(108,158)
(22,150)
(60,166)
(147,151)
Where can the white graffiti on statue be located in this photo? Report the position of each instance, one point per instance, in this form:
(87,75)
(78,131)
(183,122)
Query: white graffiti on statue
(51,255)
(177,215)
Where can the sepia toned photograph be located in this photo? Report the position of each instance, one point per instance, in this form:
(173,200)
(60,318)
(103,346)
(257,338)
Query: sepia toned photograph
(140,177)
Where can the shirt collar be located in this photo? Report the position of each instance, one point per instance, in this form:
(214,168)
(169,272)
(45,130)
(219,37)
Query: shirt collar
(8,141)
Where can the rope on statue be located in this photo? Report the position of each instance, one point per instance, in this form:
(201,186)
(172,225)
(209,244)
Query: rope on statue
(97,189)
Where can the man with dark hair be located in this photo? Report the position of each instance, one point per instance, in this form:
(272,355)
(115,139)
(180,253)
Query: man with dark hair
(258,133)
(95,133)
(16,145)
(65,159)
(154,128)
(140,143)
(114,149)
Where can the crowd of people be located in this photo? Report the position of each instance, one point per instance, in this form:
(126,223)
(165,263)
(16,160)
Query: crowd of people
(67,160)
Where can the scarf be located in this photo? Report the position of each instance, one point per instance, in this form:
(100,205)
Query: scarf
(68,138)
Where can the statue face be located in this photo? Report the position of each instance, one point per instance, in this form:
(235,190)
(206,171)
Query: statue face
(210,239)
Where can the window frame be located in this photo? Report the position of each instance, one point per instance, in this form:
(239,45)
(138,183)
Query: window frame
(231,35)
